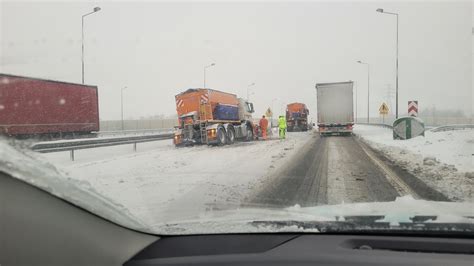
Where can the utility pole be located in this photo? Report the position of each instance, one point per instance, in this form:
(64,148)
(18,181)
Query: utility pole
(248,95)
(368,89)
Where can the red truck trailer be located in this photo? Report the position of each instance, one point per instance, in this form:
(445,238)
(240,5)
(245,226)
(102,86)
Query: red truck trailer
(32,106)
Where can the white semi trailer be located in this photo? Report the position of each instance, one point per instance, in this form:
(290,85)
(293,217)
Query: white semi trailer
(335,108)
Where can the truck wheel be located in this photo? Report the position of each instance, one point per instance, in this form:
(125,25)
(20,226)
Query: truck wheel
(249,134)
(221,136)
(230,135)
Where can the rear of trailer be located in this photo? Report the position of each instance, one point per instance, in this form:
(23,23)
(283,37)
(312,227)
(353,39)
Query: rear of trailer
(335,108)
(297,117)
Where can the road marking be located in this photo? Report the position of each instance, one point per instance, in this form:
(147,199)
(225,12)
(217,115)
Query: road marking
(400,186)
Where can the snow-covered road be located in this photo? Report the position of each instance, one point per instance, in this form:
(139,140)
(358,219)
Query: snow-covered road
(443,160)
(160,179)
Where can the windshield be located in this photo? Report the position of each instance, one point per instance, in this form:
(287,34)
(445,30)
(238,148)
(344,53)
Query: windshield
(204,117)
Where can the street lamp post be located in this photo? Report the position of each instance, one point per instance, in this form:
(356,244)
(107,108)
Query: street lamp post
(96,9)
(380,10)
(248,95)
(121,104)
(206,67)
(368,89)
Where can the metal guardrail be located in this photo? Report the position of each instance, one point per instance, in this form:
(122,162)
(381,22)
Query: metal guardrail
(135,132)
(430,128)
(453,127)
(375,124)
(59,146)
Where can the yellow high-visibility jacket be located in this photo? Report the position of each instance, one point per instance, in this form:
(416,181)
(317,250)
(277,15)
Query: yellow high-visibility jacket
(282,122)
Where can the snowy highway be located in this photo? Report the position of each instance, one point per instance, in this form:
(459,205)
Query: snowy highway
(336,170)
(305,170)
(330,170)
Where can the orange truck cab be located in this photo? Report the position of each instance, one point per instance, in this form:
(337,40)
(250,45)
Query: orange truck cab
(207,116)
(297,117)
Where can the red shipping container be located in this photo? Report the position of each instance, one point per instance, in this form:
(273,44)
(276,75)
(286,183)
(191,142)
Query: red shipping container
(38,106)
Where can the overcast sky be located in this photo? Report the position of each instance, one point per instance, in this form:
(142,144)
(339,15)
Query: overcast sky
(159,49)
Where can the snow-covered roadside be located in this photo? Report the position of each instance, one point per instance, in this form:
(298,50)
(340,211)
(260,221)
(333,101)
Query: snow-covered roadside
(163,183)
(23,164)
(443,160)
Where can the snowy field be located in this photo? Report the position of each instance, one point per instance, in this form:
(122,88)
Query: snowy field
(443,160)
(160,182)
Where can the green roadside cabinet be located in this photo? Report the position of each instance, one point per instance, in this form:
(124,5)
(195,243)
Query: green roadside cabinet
(408,127)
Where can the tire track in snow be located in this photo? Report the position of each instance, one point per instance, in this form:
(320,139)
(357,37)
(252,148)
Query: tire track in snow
(329,170)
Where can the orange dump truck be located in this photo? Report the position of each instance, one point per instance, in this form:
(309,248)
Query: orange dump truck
(213,117)
(297,117)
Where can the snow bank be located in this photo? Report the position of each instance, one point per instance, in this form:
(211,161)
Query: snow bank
(443,160)
(162,183)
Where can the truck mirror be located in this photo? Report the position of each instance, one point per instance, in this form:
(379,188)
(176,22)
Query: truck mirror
(251,108)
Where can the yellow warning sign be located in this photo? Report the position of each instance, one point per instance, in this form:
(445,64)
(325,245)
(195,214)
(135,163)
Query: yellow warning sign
(269,113)
(383,109)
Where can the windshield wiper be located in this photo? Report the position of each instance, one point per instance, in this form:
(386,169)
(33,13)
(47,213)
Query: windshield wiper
(372,224)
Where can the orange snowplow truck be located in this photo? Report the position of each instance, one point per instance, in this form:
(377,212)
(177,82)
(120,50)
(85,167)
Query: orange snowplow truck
(212,117)
(297,117)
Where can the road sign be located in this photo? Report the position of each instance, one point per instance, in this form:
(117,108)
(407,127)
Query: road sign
(413,108)
(383,109)
(408,127)
(269,112)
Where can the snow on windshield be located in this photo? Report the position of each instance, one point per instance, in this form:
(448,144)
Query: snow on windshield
(27,166)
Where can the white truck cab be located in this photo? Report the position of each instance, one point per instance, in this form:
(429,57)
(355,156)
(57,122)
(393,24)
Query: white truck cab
(245,109)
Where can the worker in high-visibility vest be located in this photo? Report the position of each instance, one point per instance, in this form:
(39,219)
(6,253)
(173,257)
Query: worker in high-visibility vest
(282,126)
(263,127)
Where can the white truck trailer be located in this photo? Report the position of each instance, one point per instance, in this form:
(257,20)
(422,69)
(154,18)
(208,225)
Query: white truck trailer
(335,108)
